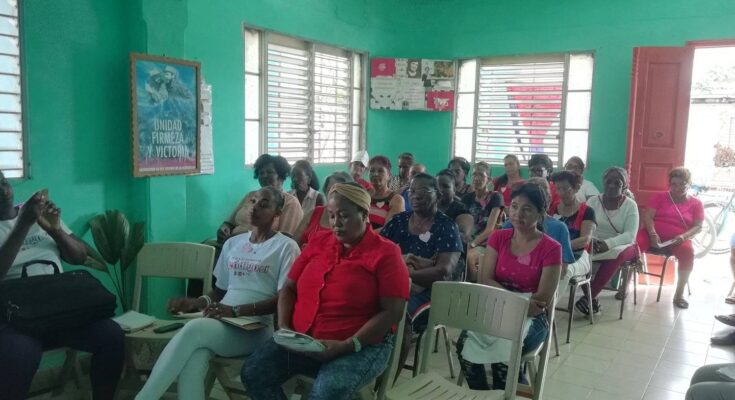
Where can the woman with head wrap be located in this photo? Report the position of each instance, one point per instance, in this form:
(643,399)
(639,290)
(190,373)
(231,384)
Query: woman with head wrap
(347,293)
(317,220)
(614,240)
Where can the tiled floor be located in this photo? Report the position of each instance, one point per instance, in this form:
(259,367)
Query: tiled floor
(651,354)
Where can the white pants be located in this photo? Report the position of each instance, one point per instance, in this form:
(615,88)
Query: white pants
(577,268)
(187,356)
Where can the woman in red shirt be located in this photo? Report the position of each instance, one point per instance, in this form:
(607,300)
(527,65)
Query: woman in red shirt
(524,260)
(384,202)
(347,292)
(677,217)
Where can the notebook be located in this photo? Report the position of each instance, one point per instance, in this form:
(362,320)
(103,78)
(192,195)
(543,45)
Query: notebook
(247,323)
(133,321)
(297,341)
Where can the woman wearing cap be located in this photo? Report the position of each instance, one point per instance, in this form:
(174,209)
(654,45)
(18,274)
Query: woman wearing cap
(317,220)
(252,268)
(384,203)
(614,239)
(269,171)
(347,293)
(357,168)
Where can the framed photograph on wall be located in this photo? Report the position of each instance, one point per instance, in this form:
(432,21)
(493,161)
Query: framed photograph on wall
(165,115)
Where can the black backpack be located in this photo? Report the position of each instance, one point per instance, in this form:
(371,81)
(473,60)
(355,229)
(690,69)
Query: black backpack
(44,304)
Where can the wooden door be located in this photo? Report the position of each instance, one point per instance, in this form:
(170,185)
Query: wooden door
(659,110)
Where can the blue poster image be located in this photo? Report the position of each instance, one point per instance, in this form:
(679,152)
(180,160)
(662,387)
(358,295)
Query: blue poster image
(166,116)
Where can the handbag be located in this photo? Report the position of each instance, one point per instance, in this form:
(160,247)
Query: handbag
(44,304)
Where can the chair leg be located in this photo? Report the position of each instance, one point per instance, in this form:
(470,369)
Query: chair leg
(416,353)
(448,346)
(531,365)
(624,275)
(460,378)
(570,311)
(689,289)
(635,284)
(661,279)
(556,340)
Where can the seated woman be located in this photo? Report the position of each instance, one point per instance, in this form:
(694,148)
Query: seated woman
(587,189)
(252,268)
(540,165)
(317,220)
(461,168)
(579,218)
(505,183)
(614,239)
(269,171)
(430,245)
(348,293)
(453,208)
(486,207)
(35,232)
(522,260)
(677,217)
(384,203)
(305,186)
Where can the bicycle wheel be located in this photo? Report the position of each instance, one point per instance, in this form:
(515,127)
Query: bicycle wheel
(705,239)
(723,218)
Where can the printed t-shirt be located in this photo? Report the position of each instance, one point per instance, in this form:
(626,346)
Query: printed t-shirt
(481,210)
(522,273)
(253,272)
(37,245)
(338,290)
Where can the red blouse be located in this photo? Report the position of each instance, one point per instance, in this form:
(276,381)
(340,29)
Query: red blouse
(339,290)
(314,226)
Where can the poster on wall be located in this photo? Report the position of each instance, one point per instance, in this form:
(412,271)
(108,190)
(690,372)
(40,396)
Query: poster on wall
(165,115)
(412,84)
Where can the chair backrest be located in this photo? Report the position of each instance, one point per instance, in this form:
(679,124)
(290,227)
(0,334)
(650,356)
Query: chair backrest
(386,380)
(481,309)
(173,260)
(542,351)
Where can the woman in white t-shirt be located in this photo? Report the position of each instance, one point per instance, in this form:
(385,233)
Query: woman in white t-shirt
(250,270)
(587,189)
(614,240)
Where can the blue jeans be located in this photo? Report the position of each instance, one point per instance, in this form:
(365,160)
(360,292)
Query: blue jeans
(271,365)
(476,374)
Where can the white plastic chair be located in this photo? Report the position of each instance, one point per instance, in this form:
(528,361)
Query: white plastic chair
(478,308)
(165,260)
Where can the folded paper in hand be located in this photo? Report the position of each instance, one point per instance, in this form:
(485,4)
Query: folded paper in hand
(727,371)
(297,341)
(133,321)
(666,243)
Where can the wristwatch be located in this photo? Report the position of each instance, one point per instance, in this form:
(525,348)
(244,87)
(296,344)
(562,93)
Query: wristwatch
(473,245)
(235,311)
(356,342)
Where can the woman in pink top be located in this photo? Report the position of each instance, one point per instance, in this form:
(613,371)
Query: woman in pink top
(524,260)
(674,217)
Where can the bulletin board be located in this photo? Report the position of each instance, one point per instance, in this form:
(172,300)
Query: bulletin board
(412,84)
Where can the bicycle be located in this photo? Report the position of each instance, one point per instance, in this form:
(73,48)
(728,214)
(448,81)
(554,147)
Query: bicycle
(718,225)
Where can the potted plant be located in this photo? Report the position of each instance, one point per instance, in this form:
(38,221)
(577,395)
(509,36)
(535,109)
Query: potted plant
(117,246)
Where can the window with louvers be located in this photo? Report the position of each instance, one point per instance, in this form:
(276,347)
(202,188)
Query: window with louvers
(311,105)
(523,106)
(11,121)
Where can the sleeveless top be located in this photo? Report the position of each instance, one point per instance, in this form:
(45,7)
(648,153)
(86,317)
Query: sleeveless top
(379,211)
(309,200)
(314,226)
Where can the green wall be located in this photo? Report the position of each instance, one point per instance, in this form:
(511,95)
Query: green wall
(76,67)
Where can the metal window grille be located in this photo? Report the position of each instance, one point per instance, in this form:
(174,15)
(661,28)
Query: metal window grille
(11,104)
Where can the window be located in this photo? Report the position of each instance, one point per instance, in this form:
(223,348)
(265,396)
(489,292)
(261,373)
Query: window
(11,121)
(522,106)
(303,100)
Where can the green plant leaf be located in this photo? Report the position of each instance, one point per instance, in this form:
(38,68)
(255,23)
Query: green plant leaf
(94,259)
(135,242)
(98,226)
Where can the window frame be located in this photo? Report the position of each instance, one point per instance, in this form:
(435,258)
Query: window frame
(501,59)
(355,143)
(23,85)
